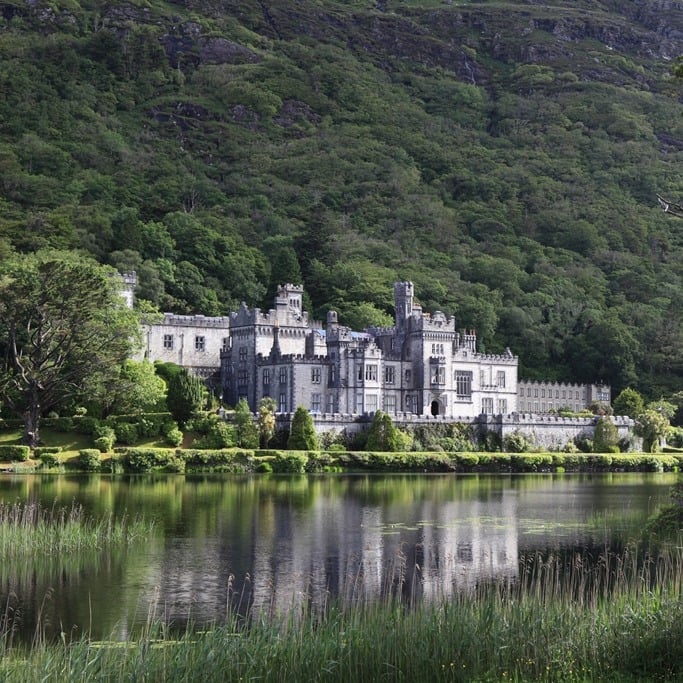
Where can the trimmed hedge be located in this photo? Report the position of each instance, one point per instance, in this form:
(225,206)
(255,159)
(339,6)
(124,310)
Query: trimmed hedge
(14,453)
(89,459)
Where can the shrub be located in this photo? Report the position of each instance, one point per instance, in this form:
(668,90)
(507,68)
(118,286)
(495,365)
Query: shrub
(336,448)
(104,444)
(144,459)
(62,424)
(264,467)
(516,442)
(466,461)
(14,453)
(127,433)
(84,424)
(173,437)
(293,462)
(217,435)
(89,459)
(49,459)
(39,451)
(531,462)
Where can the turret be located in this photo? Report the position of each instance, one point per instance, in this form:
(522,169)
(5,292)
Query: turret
(403,302)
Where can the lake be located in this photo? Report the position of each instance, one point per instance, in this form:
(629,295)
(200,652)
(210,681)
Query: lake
(277,543)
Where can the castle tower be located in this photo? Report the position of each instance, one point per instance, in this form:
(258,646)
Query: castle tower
(130,281)
(403,301)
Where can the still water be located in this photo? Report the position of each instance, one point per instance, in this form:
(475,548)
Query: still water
(272,543)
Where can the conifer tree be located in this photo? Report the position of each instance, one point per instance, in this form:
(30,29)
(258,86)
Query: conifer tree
(185,396)
(302,436)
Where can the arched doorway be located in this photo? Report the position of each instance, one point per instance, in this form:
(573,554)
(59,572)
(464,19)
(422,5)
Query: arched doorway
(436,407)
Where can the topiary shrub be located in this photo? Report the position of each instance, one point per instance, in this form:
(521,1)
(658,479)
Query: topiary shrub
(85,424)
(48,460)
(14,453)
(89,459)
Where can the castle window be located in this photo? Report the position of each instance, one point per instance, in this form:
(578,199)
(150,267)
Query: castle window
(389,374)
(564,393)
(243,354)
(502,406)
(463,383)
(226,343)
(487,406)
(542,393)
(438,375)
(315,375)
(557,393)
(371,373)
(168,342)
(521,391)
(266,376)
(282,403)
(501,378)
(360,373)
(283,375)
(406,376)
(359,402)
(330,403)
(315,403)
(371,403)
(242,378)
(333,374)
(200,343)
(390,403)
(535,393)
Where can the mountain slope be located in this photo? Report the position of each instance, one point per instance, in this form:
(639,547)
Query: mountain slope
(505,156)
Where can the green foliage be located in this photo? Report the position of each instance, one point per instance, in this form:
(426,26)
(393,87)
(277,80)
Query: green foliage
(628,402)
(246,429)
(104,444)
(11,453)
(652,426)
(64,330)
(292,462)
(383,435)
(302,435)
(186,396)
(48,460)
(605,436)
(517,442)
(528,210)
(266,419)
(137,389)
(89,460)
(127,433)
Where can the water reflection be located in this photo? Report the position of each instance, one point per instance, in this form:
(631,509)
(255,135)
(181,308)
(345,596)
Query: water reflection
(277,543)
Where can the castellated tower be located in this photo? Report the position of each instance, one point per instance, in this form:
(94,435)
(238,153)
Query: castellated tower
(403,300)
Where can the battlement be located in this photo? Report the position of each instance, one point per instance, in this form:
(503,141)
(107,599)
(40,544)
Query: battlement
(198,320)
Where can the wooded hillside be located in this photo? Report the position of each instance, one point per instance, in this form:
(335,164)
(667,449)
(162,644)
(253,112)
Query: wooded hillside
(505,156)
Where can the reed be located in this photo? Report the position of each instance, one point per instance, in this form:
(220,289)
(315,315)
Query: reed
(28,529)
(617,619)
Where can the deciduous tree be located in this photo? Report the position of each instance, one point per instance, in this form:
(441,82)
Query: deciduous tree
(64,328)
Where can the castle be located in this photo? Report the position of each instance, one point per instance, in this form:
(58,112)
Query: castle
(422,365)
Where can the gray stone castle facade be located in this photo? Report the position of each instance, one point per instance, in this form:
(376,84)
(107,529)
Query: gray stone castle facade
(421,366)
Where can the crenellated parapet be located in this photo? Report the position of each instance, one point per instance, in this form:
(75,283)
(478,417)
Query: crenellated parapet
(197,321)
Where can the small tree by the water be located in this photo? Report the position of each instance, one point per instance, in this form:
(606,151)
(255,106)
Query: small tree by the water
(605,437)
(186,395)
(245,427)
(302,436)
(266,420)
(383,434)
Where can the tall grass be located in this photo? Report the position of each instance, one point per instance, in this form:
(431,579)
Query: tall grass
(28,529)
(618,619)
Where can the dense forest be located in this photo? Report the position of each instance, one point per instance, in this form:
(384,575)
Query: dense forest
(504,156)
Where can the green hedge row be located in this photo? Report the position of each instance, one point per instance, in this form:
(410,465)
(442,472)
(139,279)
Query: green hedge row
(14,453)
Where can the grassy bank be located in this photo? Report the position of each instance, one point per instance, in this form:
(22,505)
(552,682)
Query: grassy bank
(239,460)
(614,620)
